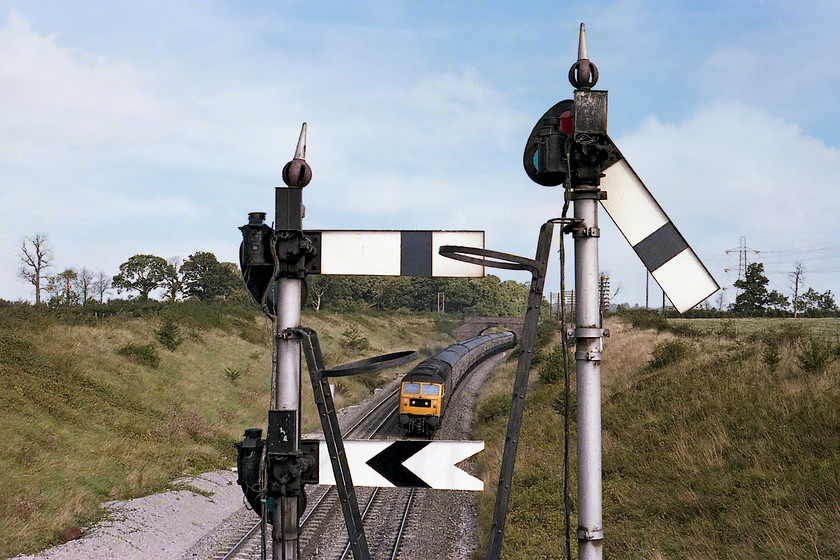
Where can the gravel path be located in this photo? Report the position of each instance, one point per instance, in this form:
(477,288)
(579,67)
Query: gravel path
(156,527)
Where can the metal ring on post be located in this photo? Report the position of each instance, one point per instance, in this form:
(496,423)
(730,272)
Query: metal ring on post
(495,260)
(369,365)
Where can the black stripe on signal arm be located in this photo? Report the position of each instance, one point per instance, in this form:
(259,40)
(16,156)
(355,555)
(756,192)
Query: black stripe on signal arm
(660,246)
(389,463)
(415,253)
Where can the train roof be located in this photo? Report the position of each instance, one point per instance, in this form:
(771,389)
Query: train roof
(430,370)
(436,366)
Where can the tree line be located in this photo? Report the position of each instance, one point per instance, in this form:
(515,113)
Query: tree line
(755,299)
(488,296)
(201,276)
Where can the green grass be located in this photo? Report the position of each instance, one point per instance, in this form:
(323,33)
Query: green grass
(714,452)
(745,327)
(96,408)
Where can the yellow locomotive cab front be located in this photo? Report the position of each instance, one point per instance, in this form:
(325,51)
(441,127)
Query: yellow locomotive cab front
(422,402)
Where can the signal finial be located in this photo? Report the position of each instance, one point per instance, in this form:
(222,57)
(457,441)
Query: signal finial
(583,74)
(297,172)
(582,54)
(300,151)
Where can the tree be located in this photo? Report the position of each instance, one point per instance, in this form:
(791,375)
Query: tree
(61,287)
(173,283)
(101,285)
(141,273)
(83,283)
(206,278)
(35,256)
(316,291)
(754,297)
(777,301)
(814,301)
(796,278)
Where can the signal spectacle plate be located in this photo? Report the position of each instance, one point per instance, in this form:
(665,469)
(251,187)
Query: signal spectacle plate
(544,179)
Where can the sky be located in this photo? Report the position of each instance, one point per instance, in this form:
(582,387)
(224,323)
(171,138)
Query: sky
(156,127)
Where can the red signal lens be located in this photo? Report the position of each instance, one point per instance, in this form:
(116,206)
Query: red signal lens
(567,123)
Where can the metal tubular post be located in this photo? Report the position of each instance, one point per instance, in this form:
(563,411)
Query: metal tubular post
(287,373)
(590,531)
(286,381)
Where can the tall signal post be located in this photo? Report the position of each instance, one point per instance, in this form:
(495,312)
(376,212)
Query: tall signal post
(569,145)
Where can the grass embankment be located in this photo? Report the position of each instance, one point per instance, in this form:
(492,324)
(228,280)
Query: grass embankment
(98,409)
(719,445)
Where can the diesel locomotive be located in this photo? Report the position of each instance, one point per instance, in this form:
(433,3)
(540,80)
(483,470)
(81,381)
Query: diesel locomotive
(425,390)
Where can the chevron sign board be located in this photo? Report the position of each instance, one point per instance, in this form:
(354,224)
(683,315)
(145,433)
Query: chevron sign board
(406,463)
(394,253)
(662,249)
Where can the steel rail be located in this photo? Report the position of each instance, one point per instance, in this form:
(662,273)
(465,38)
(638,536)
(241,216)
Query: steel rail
(371,411)
(402,524)
(330,490)
(241,541)
(364,513)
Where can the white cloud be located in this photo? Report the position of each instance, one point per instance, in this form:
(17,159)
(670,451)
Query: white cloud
(58,97)
(732,170)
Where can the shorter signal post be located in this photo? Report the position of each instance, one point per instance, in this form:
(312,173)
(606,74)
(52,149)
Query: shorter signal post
(274,470)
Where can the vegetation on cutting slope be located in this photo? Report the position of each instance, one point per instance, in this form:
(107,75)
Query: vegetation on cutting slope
(719,441)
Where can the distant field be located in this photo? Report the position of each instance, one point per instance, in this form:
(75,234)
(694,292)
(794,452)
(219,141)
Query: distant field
(829,326)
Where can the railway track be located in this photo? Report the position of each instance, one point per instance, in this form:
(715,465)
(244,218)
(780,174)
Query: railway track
(392,515)
(323,501)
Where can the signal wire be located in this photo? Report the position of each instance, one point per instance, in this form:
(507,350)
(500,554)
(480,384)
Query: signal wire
(567,389)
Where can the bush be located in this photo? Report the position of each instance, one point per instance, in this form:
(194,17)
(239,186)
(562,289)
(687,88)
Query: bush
(545,332)
(169,335)
(685,330)
(496,406)
(143,354)
(670,352)
(645,319)
(727,329)
(232,373)
(252,331)
(352,339)
(551,370)
(789,334)
(771,356)
(817,354)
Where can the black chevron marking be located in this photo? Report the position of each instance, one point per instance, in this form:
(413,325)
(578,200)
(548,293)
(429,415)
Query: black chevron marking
(389,463)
